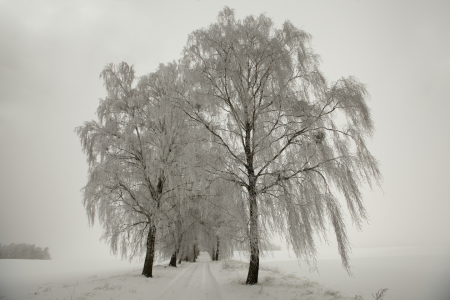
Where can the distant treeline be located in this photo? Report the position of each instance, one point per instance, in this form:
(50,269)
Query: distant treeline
(23,251)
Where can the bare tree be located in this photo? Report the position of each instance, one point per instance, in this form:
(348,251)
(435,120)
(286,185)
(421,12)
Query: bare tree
(294,142)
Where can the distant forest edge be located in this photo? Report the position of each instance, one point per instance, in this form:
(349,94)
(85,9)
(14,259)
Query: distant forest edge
(23,251)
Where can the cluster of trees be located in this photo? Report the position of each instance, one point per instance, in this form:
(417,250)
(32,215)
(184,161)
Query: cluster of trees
(242,138)
(23,251)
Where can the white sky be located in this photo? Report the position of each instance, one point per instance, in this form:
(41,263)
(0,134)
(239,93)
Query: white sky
(52,52)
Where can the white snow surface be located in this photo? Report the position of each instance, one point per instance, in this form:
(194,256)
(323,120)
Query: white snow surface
(409,273)
(203,279)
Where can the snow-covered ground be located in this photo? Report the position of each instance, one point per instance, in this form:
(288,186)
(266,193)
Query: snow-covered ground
(201,280)
(20,278)
(409,273)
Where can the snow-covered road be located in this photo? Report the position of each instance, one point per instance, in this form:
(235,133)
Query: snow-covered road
(195,282)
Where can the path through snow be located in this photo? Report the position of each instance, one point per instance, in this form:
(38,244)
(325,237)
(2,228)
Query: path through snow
(195,282)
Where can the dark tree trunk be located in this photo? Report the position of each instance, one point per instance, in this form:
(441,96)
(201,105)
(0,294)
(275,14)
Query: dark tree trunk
(217,251)
(177,253)
(149,257)
(212,255)
(173,260)
(186,253)
(179,241)
(253,269)
(180,256)
(194,257)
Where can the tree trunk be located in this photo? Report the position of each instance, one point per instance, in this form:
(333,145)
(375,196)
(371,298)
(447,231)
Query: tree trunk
(186,253)
(253,269)
(194,257)
(177,253)
(212,254)
(149,257)
(180,255)
(197,251)
(173,260)
(217,252)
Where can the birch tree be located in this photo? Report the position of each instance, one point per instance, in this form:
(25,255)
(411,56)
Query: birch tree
(135,154)
(294,142)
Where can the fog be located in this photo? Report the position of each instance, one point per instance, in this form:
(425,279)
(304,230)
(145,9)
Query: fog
(52,52)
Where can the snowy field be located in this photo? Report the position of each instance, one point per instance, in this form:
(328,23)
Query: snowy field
(409,273)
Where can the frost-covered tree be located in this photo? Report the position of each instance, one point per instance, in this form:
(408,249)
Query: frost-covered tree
(181,228)
(221,224)
(222,218)
(205,218)
(294,142)
(135,151)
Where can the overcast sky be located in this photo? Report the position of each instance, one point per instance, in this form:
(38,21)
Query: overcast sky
(52,52)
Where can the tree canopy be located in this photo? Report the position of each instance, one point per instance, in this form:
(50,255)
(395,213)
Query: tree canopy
(293,141)
(242,139)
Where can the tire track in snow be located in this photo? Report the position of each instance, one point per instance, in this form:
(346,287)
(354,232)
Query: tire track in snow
(210,287)
(196,282)
(174,290)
